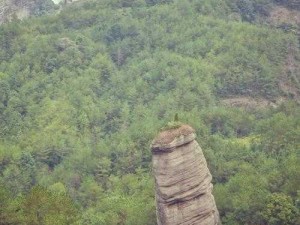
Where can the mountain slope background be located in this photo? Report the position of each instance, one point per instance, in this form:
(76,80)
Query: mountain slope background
(21,9)
(83,91)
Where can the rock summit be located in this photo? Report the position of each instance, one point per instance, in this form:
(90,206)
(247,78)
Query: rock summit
(183,187)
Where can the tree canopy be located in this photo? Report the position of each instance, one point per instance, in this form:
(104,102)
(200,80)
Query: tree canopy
(84,90)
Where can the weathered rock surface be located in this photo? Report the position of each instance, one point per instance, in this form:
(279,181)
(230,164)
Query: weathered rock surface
(182,180)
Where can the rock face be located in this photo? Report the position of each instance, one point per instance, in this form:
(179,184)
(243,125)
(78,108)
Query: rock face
(182,180)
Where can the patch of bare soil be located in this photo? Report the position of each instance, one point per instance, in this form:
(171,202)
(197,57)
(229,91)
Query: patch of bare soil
(168,136)
(248,103)
(281,15)
(289,81)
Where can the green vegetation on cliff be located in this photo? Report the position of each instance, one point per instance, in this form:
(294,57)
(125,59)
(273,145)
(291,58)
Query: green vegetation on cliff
(84,91)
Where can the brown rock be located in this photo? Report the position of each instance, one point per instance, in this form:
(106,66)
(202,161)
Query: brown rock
(182,180)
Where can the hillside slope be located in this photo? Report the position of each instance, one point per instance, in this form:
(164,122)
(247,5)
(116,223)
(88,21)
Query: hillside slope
(20,9)
(84,91)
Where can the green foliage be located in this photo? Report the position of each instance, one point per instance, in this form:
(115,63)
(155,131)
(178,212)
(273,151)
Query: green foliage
(237,198)
(4,202)
(280,210)
(20,177)
(250,10)
(289,3)
(44,207)
(172,125)
(41,7)
(40,206)
(279,134)
(84,91)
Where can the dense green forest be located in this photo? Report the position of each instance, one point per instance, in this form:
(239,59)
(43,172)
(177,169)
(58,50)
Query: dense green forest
(85,89)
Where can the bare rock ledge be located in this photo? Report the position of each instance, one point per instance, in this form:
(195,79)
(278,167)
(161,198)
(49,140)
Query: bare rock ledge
(182,180)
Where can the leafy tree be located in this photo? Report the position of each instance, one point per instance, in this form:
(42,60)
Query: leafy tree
(20,177)
(282,134)
(44,207)
(4,202)
(84,91)
(280,210)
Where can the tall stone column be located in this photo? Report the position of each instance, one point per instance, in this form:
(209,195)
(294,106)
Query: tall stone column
(182,180)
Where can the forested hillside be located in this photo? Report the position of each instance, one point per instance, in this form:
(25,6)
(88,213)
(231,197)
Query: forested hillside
(20,9)
(83,92)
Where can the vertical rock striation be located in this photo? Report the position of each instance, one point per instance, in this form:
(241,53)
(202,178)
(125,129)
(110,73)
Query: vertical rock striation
(182,180)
